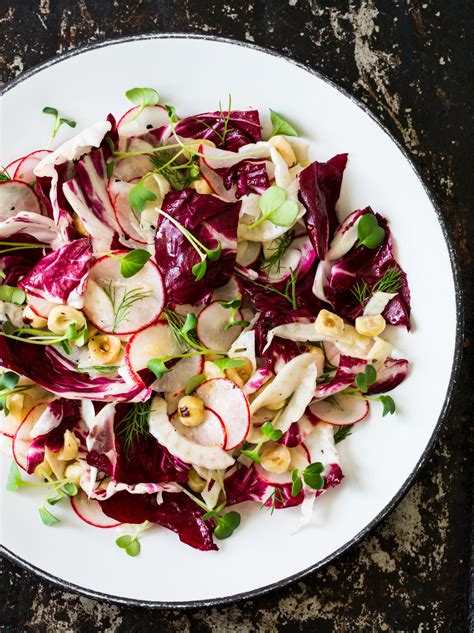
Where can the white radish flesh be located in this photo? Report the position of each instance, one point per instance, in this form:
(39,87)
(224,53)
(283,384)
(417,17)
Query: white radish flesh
(144,294)
(24,171)
(211,431)
(212,457)
(22,439)
(155,341)
(340,410)
(118,192)
(226,399)
(210,327)
(90,512)
(16,196)
(174,382)
(150,118)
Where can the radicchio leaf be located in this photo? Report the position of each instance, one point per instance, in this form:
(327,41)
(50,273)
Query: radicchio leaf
(243,128)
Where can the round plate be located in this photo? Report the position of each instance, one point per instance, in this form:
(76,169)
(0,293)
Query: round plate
(382,457)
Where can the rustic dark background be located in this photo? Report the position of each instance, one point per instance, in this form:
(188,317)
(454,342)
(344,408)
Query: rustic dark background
(411,61)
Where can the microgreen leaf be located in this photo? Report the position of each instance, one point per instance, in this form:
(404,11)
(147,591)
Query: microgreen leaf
(268,430)
(312,476)
(215,253)
(189,324)
(199,269)
(139,196)
(297,484)
(49,110)
(142,97)
(369,232)
(110,168)
(69,122)
(271,199)
(58,122)
(280,126)
(134,548)
(47,518)
(9,380)
(124,541)
(133,262)
(285,214)
(233,323)
(194,382)
(366,378)
(388,405)
(172,113)
(70,489)
(15,479)
(228,363)
(12,294)
(226,525)
(231,303)
(158,367)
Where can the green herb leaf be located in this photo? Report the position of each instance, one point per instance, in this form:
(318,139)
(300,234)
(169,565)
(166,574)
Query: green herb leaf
(69,122)
(142,97)
(297,484)
(280,126)
(15,479)
(133,262)
(231,303)
(12,295)
(341,433)
(172,113)
(47,518)
(55,498)
(139,196)
(369,232)
(391,281)
(158,367)
(226,525)
(228,363)
(9,380)
(285,214)
(189,324)
(4,176)
(135,424)
(110,168)
(199,269)
(70,489)
(134,548)
(271,199)
(49,110)
(214,254)
(124,541)
(388,405)
(268,430)
(194,382)
(366,378)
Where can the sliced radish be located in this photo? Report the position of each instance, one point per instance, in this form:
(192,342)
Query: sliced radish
(118,193)
(107,290)
(212,457)
(340,410)
(16,196)
(155,341)
(24,170)
(332,353)
(211,431)
(175,381)
(22,440)
(40,306)
(232,290)
(228,401)
(90,512)
(150,118)
(12,167)
(247,252)
(8,426)
(210,327)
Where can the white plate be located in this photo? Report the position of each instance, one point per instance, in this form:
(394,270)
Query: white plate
(382,456)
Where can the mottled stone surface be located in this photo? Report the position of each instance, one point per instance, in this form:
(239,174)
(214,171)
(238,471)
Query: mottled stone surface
(411,62)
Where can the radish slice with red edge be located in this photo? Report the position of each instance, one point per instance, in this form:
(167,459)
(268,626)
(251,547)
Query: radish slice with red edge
(22,440)
(340,410)
(155,341)
(144,293)
(226,399)
(211,431)
(24,170)
(90,512)
(210,327)
(118,194)
(40,306)
(150,118)
(174,382)
(16,196)
(8,426)
(11,168)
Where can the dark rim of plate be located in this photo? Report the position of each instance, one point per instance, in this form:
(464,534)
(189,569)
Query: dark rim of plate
(452,381)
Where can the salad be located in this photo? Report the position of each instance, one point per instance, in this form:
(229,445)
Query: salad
(187,322)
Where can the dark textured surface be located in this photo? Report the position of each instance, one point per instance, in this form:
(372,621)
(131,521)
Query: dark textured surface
(410,61)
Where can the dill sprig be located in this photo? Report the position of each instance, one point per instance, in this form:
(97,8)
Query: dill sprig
(341,433)
(391,282)
(129,298)
(183,328)
(134,425)
(289,293)
(282,244)
(179,175)
(225,119)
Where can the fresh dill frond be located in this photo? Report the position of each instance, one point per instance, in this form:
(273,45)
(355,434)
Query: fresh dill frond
(282,244)
(360,290)
(183,329)
(341,433)
(391,281)
(4,175)
(179,175)
(225,119)
(289,293)
(134,425)
(129,298)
